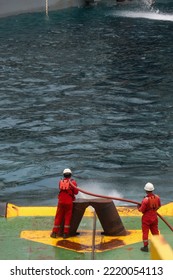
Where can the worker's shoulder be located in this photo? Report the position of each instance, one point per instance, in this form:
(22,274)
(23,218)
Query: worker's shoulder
(72,180)
(145,199)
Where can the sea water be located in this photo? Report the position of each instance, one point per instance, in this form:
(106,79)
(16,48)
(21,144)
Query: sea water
(90,89)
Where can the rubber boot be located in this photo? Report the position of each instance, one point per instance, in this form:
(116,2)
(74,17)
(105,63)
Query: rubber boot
(144,249)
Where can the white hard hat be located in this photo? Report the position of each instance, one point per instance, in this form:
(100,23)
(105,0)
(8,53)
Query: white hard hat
(67,170)
(149,187)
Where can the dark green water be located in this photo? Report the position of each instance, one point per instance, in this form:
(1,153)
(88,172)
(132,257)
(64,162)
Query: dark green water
(89,89)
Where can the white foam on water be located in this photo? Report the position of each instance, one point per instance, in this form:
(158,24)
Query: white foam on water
(155,15)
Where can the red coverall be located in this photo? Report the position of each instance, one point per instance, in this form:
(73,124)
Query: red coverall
(65,207)
(149,206)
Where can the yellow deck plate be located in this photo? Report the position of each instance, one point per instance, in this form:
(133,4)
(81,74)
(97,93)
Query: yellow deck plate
(83,242)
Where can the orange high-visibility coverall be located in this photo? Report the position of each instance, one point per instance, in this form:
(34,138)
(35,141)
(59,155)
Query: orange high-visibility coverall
(149,206)
(66,197)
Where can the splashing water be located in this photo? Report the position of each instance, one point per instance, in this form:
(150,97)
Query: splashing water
(143,9)
(98,188)
(148,3)
(154,15)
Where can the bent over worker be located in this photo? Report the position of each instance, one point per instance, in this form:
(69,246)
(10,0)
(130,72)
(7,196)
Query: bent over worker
(66,197)
(149,206)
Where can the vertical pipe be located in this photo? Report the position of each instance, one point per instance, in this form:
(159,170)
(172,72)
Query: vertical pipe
(47,7)
(93,237)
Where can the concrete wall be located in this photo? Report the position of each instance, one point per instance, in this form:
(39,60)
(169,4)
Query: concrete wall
(10,7)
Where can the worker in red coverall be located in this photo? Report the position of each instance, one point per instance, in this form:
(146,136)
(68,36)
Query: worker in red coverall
(149,206)
(66,197)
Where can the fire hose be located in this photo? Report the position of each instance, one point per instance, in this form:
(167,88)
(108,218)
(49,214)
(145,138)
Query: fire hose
(119,199)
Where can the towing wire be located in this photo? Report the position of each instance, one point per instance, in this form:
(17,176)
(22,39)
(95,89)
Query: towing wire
(119,199)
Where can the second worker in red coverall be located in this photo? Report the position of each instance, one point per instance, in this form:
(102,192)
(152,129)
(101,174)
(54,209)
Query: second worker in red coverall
(66,197)
(149,206)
